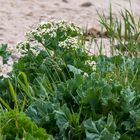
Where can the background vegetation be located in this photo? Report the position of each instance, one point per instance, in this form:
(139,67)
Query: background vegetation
(57,90)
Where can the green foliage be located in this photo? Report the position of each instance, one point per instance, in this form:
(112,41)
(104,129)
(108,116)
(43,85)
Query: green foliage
(15,124)
(125,30)
(4,53)
(101,129)
(20,126)
(56,35)
(58,88)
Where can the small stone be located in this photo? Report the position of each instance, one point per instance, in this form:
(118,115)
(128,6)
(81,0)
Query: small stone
(86,4)
(65,1)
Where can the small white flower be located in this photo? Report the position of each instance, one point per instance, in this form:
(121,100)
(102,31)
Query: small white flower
(92,64)
(10,61)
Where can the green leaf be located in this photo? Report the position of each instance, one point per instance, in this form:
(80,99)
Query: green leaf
(40,111)
(4,53)
(14,95)
(101,130)
(91,126)
(74,70)
(62,118)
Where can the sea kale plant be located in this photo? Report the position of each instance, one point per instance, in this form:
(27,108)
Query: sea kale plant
(57,90)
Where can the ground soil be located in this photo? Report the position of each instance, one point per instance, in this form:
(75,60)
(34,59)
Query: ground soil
(18,16)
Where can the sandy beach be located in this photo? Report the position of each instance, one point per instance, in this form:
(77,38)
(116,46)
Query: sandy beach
(18,16)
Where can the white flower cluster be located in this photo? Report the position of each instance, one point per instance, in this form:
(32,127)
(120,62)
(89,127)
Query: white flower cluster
(92,64)
(59,26)
(5,68)
(23,46)
(55,30)
(70,42)
(33,46)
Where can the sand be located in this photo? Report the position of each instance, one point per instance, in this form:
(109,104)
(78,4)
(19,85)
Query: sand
(18,16)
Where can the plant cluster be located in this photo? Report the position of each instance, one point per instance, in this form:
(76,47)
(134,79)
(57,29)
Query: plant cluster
(57,90)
